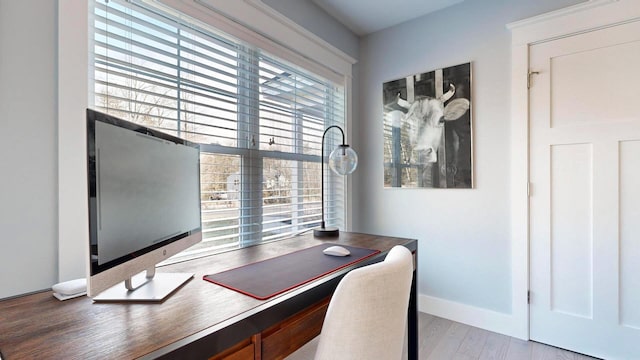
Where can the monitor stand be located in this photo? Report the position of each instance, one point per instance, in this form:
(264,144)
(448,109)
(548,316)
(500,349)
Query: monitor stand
(150,287)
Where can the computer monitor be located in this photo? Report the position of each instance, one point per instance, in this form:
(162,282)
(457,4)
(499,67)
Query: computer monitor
(144,206)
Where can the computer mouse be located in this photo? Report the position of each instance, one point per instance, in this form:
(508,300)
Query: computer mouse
(336,251)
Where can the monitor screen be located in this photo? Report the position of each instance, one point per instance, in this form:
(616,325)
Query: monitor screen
(144,197)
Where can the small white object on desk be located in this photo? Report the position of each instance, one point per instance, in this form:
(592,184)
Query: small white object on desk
(336,251)
(70,289)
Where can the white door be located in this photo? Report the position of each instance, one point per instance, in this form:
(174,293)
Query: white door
(585,192)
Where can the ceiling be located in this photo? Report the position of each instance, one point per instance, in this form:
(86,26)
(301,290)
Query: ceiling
(366,16)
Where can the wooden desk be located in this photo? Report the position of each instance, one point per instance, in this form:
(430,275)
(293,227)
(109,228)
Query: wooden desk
(198,321)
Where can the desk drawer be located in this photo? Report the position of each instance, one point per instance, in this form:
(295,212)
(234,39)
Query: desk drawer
(283,339)
(244,350)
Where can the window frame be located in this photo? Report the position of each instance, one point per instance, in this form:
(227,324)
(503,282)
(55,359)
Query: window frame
(248,125)
(251,21)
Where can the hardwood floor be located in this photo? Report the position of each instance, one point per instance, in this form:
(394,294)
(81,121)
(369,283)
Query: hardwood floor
(442,339)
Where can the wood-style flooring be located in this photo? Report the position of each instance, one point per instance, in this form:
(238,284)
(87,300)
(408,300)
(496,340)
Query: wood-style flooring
(442,339)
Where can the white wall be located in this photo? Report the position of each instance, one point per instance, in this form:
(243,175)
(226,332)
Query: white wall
(464,235)
(28,150)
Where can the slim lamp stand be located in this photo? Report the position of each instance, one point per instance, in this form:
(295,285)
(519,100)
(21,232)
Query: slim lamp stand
(343,161)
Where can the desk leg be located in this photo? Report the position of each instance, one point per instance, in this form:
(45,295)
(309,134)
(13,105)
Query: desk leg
(412,320)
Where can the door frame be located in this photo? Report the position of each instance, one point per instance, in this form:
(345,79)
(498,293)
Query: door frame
(584,17)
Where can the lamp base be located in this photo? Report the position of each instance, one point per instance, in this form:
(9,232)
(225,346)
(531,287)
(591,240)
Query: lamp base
(329,231)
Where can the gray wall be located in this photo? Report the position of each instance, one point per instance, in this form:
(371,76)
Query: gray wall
(464,239)
(312,17)
(28,124)
(28,150)
(464,234)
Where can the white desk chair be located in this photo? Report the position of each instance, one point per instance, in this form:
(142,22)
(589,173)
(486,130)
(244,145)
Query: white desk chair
(367,315)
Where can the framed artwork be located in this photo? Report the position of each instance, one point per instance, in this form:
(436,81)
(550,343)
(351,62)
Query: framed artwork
(427,129)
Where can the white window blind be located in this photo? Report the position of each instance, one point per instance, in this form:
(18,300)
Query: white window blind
(259,119)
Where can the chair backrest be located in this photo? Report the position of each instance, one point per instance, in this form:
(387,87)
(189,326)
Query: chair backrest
(367,315)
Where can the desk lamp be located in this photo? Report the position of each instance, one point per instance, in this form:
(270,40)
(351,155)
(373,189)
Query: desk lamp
(343,161)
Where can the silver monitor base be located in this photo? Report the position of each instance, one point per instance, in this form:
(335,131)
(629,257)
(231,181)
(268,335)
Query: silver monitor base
(156,289)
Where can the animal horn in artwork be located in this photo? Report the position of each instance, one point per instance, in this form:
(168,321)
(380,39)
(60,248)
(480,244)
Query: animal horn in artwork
(446,96)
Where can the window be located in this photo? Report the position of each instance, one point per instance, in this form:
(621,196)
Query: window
(258,119)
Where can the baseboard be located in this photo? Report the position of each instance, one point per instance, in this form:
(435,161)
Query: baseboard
(470,315)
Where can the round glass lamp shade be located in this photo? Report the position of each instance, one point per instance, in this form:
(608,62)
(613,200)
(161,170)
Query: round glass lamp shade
(343,160)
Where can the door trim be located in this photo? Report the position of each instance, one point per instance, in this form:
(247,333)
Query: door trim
(580,18)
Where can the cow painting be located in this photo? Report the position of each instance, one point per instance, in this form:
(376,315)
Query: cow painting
(418,123)
(425,120)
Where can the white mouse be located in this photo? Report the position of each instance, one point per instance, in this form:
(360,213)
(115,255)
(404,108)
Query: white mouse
(336,251)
